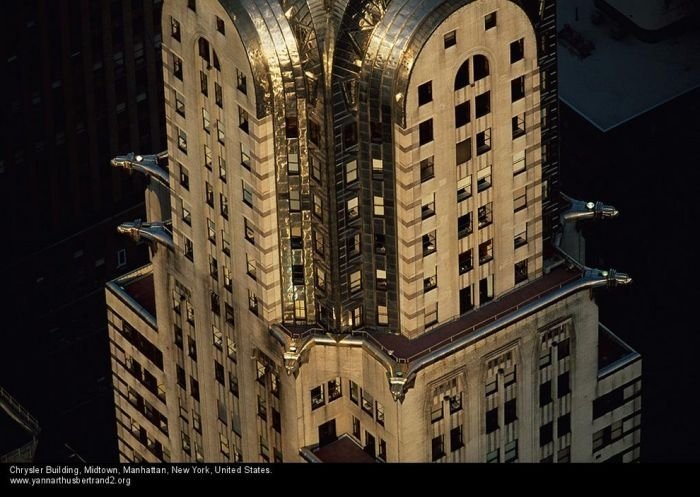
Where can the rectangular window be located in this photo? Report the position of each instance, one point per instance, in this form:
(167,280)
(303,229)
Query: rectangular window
(220,27)
(563,425)
(464,188)
(437,411)
(241,82)
(425,132)
(179,104)
(563,349)
(482,104)
(207,157)
(427,169)
(356,428)
(429,243)
(247,194)
(511,452)
(382,315)
(464,225)
(381,279)
(483,179)
(243,120)
(228,309)
(351,172)
(378,205)
(174,28)
(204,83)
(354,392)
(425,93)
(465,261)
(520,271)
(211,231)
(223,203)
(456,441)
(228,281)
(563,385)
(318,206)
(177,67)
(249,232)
(492,420)
(367,402)
(490,21)
(192,5)
(517,50)
(430,283)
(510,411)
(450,39)
(519,164)
(189,249)
(428,208)
(293,164)
(518,126)
(463,151)
(245,156)
(252,302)
(466,303)
(438,447)
(462,114)
(546,434)
(545,393)
(517,89)
(250,267)
(318,398)
(182,140)
(382,450)
(320,278)
(218,95)
(520,238)
(353,245)
(225,244)
(380,413)
(353,208)
(355,281)
(206,125)
(220,132)
(186,215)
(222,169)
(520,200)
(485,213)
(377,167)
(486,289)
(334,389)
(483,141)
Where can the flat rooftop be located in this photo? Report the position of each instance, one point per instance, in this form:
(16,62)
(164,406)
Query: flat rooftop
(409,349)
(622,79)
(343,450)
(406,349)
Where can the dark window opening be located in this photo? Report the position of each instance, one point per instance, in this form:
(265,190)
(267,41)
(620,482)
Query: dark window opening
(425,93)
(425,132)
(450,39)
(483,104)
(481,67)
(462,114)
(462,77)
(517,89)
(517,50)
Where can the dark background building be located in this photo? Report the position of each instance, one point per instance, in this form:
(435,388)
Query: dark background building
(81,83)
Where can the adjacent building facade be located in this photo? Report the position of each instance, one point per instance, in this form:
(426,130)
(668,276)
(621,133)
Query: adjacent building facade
(359,247)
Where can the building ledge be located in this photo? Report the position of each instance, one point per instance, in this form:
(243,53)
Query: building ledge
(342,450)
